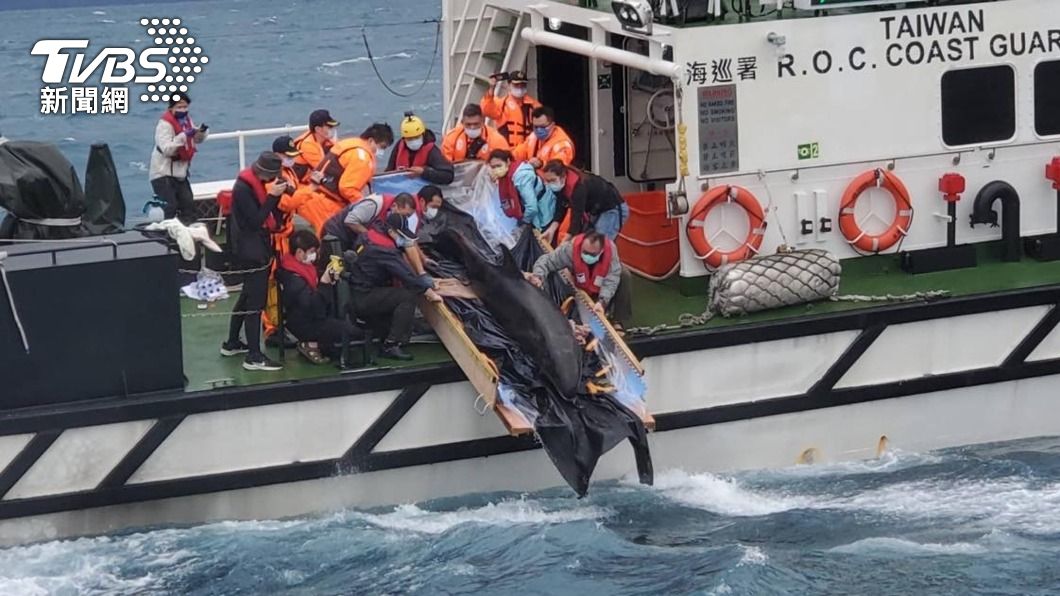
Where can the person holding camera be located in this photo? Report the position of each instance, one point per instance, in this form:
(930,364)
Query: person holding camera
(176,139)
(254,218)
(307,301)
(511,113)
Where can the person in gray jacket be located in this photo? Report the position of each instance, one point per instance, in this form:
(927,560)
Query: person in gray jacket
(176,140)
(593,261)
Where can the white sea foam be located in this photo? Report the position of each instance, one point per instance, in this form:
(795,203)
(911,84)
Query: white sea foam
(108,21)
(99,12)
(411,518)
(752,555)
(720,495)
(138,165)
(360,59)
(902,547)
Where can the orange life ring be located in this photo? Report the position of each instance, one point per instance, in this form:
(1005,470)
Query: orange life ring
(903,216)
(711,255)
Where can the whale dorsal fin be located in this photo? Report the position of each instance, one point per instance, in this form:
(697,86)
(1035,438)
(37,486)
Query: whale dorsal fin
(508,264)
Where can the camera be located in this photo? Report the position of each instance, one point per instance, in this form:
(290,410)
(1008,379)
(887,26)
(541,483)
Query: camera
(203,127)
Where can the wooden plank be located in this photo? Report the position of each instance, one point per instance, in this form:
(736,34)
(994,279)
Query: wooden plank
(481,372)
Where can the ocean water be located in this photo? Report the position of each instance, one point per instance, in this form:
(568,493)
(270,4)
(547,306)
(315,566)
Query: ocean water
(271,62)
(982,520)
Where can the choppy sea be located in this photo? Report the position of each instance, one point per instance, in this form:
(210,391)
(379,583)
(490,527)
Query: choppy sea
(981,520)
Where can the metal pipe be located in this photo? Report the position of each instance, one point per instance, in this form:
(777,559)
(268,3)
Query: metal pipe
(602,52)
(983,213)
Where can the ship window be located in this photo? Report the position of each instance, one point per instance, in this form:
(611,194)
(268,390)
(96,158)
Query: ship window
(1047,98)
(978,105)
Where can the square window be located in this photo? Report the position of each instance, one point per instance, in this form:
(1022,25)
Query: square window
(1047,98)
(978,105)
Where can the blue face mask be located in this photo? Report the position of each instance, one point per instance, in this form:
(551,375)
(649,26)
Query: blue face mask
(589,258)
(541,132)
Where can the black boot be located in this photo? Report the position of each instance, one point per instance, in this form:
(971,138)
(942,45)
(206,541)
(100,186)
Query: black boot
(393,351)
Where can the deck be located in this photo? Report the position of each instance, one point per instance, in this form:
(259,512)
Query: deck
(655,303)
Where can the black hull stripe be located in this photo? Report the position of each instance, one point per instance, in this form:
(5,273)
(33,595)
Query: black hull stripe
(25,459)
(502,445)
(1034,338)
(143,449)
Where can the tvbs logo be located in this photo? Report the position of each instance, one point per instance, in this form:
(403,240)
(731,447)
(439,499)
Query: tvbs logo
(166,68)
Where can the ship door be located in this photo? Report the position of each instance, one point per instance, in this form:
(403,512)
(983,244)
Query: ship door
(563,85)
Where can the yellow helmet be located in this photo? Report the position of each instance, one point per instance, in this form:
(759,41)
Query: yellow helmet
(412,126)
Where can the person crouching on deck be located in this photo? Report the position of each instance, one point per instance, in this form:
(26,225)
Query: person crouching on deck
(592,259)
(253,219)
(307,301)
(387,308)
(594,202)
(418,154)
(524,196)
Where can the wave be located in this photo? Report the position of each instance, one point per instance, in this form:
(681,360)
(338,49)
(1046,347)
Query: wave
(360,59)
(107,21)
(410,518)
(720,495)
(901,547)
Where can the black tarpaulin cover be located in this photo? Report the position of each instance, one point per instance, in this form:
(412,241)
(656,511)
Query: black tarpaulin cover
(104,203)
(574,430)
(38,183)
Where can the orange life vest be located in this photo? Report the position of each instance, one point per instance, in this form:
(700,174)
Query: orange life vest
(334,166)
(312,153)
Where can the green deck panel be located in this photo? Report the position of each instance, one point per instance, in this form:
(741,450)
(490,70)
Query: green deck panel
(654,303)
(203,361)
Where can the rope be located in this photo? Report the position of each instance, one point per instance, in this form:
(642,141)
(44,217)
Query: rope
(235,272)
(684,321)
(430,70)
(14,311)
(236,313)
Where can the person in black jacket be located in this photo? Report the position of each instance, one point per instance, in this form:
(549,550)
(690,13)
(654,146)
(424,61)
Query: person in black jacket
(375,299)
(307,302)
(254,217)
(418,153)
(594,202)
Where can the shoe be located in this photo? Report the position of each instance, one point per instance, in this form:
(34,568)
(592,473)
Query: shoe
(234,349)
(261,363)
(394,352)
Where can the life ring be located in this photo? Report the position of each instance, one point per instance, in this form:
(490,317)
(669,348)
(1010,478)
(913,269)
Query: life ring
(903,215)
(712,256)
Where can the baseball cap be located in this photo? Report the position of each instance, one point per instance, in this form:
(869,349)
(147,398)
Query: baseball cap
(518,76)
(320,118)
(285,145)
(400,224)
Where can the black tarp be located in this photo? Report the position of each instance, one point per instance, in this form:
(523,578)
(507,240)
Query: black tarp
(104,203)
(37,182)
(576,430)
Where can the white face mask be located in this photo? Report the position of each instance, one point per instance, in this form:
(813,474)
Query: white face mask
(473,133)
(518,92)
(431,212)
(310,257)
(333,134)
(287,161)
(414,144)
(555,186)
(380,152)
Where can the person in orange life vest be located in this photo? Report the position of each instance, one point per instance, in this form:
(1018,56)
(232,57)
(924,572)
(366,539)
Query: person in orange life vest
(548,142)
(417,153)
(285,150)
(254,218)
(472,139)
(344,175)
(176,138)
(593,201)
(315,142)
(523,195)
(308,300)
(592,259)
(511,113)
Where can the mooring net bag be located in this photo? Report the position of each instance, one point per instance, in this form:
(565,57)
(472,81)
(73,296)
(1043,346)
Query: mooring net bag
(782,279)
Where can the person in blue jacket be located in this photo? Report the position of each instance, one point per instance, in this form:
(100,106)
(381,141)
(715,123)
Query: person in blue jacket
(523,195)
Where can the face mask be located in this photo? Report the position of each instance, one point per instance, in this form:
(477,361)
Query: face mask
(431,212)
(333,134)
(473,133)
(518,92)
(380,152)
(180,115)
(589,258)
(499,172)
(541,132)
(288,162)
(554,186)
(414,144)
(310,257)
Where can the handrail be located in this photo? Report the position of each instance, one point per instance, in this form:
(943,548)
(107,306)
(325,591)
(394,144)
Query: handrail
(243,135)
